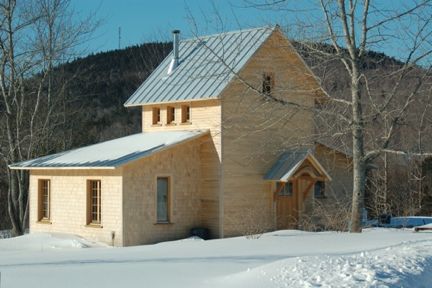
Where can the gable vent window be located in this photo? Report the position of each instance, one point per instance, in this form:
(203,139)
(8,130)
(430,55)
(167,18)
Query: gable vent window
(268,83)
(170,115)
(185,114)
(156,116)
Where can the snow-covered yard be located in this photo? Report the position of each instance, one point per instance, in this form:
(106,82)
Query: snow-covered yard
(376,258)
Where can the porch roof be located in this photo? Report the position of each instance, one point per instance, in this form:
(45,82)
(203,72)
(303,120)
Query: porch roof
(113,153)
(288,164)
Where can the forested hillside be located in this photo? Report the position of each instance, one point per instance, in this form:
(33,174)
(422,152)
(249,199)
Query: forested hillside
(91,91)
(88,96)
(100,84)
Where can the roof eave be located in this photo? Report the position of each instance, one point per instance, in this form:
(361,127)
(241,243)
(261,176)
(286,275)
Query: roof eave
(204,132)
(170,102)
(316,162)
(63,168)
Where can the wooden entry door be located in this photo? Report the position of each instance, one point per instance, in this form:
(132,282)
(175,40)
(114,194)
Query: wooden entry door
(290,207)
(286,208)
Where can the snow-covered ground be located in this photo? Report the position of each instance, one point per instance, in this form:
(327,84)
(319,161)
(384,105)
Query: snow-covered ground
(375,258)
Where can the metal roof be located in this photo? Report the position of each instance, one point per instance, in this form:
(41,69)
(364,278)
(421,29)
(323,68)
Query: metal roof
(207,64)
(288,163)
(113,153)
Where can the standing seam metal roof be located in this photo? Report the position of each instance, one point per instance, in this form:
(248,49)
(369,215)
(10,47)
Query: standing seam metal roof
(112,153)
(207,64)
(288,163)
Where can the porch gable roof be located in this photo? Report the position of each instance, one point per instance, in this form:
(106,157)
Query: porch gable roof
(289,163)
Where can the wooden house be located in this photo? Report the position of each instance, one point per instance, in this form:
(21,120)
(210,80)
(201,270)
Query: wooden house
(227,144)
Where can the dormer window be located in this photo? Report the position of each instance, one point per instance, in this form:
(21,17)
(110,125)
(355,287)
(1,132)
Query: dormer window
(185,114)
(156,116)
(268,83)
(170,115)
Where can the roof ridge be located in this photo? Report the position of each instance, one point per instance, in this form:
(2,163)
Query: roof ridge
(197,37)
(201,73)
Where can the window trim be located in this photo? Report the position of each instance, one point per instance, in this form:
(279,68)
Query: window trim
(156,116)
(169,214)
(186,114)
(41,216)
(89,218)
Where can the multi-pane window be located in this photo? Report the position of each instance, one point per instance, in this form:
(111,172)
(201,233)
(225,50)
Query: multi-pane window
(170,115)
(94,206)
(44,200)
(267,84)
(185,114)
(284,189)
(319,189)
(156,116)
(162,205)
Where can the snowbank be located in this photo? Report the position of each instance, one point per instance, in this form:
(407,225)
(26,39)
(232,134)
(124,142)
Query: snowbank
(44,241)
(375,258)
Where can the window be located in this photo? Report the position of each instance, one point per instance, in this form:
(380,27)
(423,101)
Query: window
(268,83)
(185,114)
(94,202)
(162,206)
(44,200)
(285,189)
(156,116)
(170,115)
(319,189)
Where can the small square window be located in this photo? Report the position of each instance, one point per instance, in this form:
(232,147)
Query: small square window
(156,116)
(284,188)
(170,115)
(185,114)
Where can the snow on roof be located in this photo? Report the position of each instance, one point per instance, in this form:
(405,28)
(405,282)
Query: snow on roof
(207,64)
(113,153)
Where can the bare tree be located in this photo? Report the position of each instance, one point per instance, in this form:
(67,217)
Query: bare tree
(34,38)
(374,115)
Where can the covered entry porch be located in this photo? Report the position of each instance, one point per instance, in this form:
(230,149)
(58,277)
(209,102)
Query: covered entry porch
(296,178)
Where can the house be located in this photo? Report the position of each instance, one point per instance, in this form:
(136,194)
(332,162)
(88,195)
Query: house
(227,143)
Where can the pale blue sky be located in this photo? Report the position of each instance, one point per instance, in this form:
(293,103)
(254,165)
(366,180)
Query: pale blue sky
(153,20)
(143,20)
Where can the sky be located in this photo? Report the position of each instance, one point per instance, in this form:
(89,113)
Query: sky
(142,21)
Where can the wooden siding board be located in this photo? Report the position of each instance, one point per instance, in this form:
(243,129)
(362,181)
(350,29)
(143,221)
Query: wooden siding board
(255,132)
(182,165)
(69,203)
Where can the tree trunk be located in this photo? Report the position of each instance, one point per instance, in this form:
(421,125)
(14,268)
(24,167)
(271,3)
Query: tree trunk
(359,167)
(14,205)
